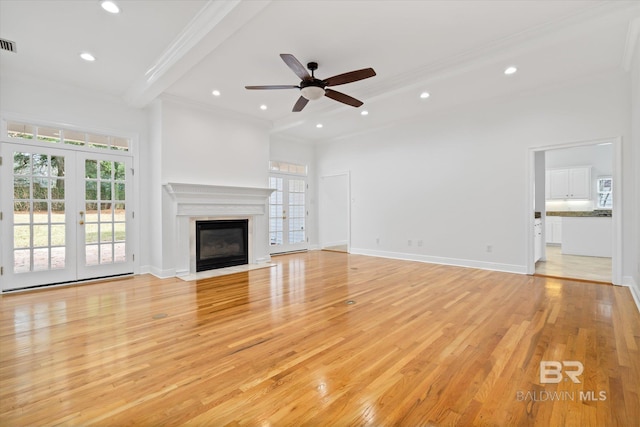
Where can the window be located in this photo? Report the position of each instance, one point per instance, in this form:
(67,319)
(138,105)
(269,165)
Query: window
(284,167)
(27,131)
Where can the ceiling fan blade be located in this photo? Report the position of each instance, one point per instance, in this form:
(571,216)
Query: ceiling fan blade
(300,104)
(296,66)
(273,87)
(352,76)
(341,97)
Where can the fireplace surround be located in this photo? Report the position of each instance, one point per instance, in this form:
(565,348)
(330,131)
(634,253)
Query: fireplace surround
(190,203)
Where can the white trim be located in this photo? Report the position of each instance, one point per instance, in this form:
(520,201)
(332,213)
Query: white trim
(616,273)
(633,34)
(458,262)
(634,288)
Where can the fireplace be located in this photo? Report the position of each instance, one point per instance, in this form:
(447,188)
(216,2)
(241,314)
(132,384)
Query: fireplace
(221,243)
(190,203)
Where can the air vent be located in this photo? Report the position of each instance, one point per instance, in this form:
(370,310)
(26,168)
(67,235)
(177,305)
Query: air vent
(8,45)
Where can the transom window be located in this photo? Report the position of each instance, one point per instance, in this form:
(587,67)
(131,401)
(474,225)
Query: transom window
(55,135)
(284,167)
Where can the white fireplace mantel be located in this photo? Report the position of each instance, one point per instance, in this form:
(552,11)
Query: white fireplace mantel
(200,200)
(193,202)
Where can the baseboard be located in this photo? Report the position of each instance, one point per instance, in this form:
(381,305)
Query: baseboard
(634,288)
(482,265)
(159,273)
(336,243)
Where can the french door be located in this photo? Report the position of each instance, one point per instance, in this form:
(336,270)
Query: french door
(65,215)
(287,214)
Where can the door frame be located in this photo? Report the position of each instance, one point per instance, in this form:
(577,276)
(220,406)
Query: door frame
(291,247)
(133,153)
(321,217)
(616,217)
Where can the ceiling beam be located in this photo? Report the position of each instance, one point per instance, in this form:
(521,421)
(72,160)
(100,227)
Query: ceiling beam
(210,27)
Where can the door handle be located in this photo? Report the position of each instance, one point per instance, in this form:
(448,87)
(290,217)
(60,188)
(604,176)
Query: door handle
(81,223)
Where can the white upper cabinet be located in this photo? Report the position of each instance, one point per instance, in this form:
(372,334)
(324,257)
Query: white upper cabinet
(572,183)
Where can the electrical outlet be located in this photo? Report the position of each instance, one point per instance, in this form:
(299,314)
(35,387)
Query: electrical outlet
(377,240)
(489,248)
(409,242)
(419,242)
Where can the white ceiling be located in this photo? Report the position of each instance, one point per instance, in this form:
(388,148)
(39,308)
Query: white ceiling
(455,50)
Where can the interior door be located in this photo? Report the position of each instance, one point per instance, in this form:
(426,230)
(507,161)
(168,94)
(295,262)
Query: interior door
(287,214)
(65,215)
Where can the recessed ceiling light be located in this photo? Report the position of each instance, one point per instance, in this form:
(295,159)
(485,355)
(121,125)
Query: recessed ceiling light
(110,6)
(424,95)
(364,112)
(263,107)
(87,56)
(215,92)
(510,70)
(319,125)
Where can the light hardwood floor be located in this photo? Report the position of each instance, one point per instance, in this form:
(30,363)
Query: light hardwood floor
(421,344)
(576,267)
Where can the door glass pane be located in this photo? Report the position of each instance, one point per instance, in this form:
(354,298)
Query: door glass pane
(297,211)
(276,211)
(38,224)
(104,218)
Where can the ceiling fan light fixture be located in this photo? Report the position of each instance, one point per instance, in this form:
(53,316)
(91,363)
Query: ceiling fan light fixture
(312,92)
(110,6)
(87,57)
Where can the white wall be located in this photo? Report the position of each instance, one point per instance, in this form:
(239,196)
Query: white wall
(201,146)
(457,180)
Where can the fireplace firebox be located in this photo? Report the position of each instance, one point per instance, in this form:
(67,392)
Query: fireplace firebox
(221,243)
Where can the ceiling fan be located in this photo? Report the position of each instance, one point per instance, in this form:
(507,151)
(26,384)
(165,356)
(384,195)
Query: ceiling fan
(312,88)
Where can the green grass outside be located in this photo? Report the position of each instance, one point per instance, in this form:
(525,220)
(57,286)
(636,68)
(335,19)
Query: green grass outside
(21,238)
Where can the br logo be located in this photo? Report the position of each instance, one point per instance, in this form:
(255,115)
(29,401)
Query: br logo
(551,371)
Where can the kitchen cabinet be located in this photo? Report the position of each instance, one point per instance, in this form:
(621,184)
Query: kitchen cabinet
(587,236)
(571,183)
(537,235)
(553,230)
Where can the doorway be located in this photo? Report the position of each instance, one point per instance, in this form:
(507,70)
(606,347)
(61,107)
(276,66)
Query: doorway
(66,215)
(335,212)
(576,216)
(288,213)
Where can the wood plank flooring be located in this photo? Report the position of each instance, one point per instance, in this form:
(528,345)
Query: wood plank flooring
(573,266)
(321,339)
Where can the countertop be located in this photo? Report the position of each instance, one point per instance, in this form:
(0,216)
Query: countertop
(606,213)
